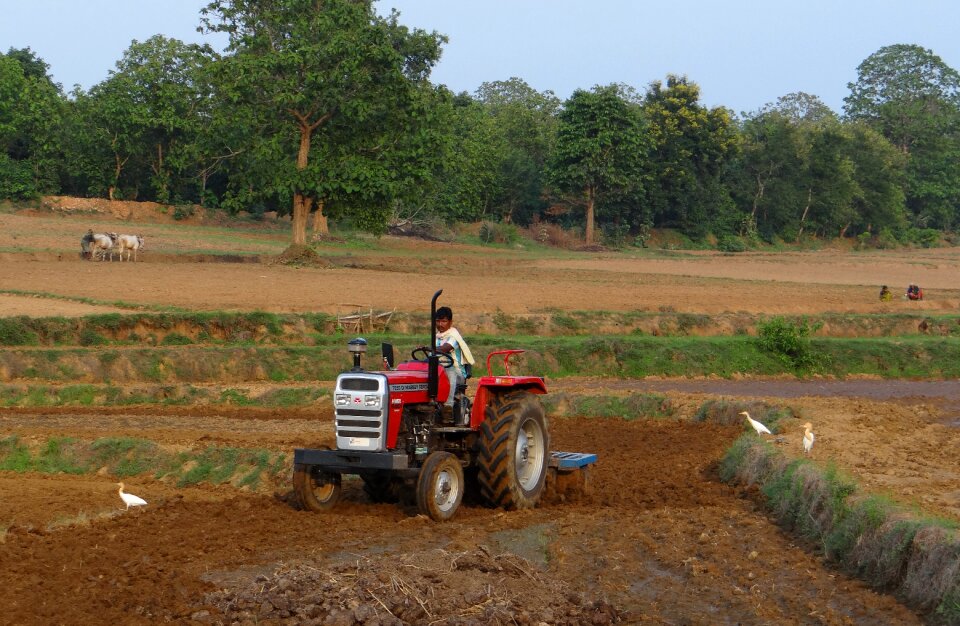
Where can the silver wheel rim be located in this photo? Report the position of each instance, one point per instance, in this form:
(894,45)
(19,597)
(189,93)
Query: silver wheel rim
(530,454)
(445,490)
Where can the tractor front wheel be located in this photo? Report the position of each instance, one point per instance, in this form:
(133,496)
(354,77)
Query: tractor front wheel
(317,491)
(440,486)
(513,450)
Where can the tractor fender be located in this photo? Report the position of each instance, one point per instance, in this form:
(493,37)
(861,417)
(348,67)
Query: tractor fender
(488,385)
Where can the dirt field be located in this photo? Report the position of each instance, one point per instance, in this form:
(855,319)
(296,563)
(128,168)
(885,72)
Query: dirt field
(660,540)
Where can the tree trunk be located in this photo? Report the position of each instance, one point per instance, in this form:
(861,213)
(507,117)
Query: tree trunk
(320,221)
(117,169)
(301,203)
(806,209)
(761,184)
(588,230)
(301,210)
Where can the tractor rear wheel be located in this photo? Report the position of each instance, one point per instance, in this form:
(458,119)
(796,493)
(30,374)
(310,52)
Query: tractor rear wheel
(317,491)
(513,449)
(440,486)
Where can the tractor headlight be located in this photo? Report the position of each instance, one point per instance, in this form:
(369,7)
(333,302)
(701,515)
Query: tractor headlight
(371,400)
(342,399)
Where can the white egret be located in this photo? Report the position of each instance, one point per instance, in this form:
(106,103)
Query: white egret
(129,499)
(808,438)
(757,426)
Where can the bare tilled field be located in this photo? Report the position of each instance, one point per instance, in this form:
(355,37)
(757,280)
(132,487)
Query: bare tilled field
(659,539)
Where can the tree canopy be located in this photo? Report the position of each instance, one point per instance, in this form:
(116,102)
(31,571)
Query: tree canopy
(326,108)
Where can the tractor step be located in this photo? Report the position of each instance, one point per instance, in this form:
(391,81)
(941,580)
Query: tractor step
(566,461)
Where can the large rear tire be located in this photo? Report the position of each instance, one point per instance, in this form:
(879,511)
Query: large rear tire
(440,486)
(317,491)
(513,449)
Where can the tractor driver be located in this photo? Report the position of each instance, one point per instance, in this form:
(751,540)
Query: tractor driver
(450,341)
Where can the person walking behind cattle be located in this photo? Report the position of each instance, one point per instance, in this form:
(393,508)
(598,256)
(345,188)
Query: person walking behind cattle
(86,245)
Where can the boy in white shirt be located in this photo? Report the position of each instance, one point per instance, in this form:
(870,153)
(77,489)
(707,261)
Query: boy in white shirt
(450,341)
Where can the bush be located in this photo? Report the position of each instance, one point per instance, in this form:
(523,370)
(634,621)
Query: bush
(183,211)
(554,235)
(615,235)
(15,332)
(788,340)
(731,243)
(495,232)
(924,237)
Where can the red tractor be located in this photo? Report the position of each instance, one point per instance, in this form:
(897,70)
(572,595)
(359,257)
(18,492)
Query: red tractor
(392,433)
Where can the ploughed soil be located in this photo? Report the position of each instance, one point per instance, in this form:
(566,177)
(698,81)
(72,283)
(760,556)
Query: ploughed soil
(658,539)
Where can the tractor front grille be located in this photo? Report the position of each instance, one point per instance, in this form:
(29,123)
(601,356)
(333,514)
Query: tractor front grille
(361,403)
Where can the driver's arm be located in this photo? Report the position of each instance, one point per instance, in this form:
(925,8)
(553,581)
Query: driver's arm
(445,348)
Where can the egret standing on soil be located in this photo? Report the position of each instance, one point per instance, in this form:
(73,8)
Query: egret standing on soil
(129,499)
(757,426)
(808,438)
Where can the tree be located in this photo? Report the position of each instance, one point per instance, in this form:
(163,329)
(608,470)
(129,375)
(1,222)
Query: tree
(526,120)
(772,162)
(31,114)
(600,151)
(912,97)
(691,148)
(143,121)
(329,77)
(800,107)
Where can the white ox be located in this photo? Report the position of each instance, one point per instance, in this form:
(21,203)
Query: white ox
(102,244)
(130,244)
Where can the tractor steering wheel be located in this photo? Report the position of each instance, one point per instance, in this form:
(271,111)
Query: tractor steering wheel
(421,353)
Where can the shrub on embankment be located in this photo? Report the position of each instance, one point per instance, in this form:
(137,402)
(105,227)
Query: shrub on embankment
(894,549)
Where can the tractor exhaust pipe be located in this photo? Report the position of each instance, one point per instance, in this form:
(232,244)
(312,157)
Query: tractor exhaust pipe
(433,360)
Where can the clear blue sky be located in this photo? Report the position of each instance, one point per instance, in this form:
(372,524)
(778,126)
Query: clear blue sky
(742,53)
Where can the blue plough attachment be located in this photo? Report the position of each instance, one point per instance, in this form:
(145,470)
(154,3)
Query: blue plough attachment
(571,460)
(568,476)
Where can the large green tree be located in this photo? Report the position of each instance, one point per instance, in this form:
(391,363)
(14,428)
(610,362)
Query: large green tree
(526,120)
(31,116)
(144,120)
(600,151)
(912,97)
(692,146)
(334,90)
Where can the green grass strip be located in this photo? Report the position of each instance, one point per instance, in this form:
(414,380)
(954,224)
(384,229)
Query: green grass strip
(126,456)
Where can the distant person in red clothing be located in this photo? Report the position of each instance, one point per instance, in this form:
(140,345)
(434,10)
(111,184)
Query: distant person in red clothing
(914,292)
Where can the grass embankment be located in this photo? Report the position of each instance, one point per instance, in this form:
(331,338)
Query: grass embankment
(217,358)
(631,357)
(125,456)
(158,325)
(894,548)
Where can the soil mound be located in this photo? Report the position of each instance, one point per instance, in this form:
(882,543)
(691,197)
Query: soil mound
(435,587)
(299,254)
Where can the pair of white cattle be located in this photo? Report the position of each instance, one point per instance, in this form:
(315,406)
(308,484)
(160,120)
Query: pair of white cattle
(100,245)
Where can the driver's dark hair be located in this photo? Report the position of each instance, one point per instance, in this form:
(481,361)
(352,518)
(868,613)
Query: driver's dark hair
(445,313)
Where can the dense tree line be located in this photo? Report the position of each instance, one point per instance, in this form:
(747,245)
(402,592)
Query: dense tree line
(327,110)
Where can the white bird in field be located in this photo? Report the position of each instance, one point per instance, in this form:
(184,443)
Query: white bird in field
(808,438)
(129,499)
(757,426)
